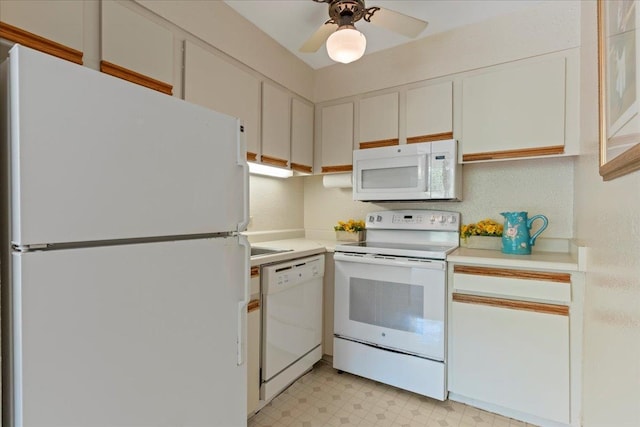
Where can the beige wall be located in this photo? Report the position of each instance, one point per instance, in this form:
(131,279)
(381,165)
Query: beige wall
(608,222)
(276,204)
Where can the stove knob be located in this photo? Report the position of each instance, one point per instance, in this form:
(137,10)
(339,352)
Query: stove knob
(379,218)
(371,218)
(452,219)
(442,218)
(432,219)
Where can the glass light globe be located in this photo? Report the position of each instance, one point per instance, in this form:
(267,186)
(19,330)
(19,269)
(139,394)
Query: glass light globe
(346,45)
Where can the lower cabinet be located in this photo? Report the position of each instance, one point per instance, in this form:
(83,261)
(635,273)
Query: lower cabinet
(511,357)
(254,318)
(253,359)
(514,341)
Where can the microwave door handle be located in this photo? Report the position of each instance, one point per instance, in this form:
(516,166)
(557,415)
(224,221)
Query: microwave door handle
(427,173)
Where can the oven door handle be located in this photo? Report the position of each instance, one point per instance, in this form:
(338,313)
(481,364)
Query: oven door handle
(390,261)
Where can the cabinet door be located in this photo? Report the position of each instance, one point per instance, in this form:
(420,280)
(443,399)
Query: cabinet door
(506,355)
(135,48)
(516,110)
(430,113)
(301,136)
(276,133)
(337,137)
(53,27)
(215,83)
(253,358)
(378,124)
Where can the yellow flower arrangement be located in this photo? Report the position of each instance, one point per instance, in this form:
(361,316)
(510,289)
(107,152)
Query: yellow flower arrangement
(352,226)
(486,227)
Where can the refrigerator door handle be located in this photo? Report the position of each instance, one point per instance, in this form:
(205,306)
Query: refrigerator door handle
(242,162)
(242,305)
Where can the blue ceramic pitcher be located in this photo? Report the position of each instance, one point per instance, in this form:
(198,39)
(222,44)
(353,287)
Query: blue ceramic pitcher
(515,236)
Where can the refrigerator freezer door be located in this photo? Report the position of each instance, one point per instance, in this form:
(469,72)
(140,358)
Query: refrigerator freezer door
(95,158)
(132,335)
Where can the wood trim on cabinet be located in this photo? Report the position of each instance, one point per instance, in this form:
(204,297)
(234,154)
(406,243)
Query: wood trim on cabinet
(301,168)
(380,143)
(34,41)
(253,305)
(511,154)
(337,168)
(513,274)
(255,271)
(429,138)
(275,161)
(537,307)
(251,157)
(134,77)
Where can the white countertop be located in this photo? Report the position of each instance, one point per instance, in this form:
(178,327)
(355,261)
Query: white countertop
(297,248)
(564,261)
(574,260)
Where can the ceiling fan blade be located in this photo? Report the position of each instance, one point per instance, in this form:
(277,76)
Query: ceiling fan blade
(318,38)
(398,22)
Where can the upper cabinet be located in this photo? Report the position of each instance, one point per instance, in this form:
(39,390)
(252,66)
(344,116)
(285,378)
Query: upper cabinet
(213,82)
(378,120)
(429,114)
(135,48)
(276,132)
(522,109)
(301,136)
(53,27)
(336,137)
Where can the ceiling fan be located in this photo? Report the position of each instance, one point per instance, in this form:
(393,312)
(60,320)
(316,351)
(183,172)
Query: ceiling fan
(346,44)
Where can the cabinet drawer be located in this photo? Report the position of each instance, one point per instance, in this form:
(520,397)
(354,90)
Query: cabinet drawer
(527,284)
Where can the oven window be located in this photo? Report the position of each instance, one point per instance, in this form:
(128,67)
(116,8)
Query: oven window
(400,177)
(387,304)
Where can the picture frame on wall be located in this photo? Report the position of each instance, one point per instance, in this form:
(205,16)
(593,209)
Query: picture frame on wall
(619,87)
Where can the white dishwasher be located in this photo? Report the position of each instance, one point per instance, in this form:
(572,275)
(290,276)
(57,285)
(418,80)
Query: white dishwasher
(291,322)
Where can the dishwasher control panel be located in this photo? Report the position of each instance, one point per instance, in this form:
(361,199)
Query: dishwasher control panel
(281,276)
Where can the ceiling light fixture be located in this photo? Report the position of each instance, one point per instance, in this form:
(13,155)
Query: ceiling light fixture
(346,44)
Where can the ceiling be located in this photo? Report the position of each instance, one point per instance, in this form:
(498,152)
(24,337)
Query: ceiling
(292,22)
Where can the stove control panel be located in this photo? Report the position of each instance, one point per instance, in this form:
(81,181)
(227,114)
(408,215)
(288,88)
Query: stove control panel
(414,220)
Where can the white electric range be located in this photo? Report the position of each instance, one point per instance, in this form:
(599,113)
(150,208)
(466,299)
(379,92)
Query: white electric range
(390,300)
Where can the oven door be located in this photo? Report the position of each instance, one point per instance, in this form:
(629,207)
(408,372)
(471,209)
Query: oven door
(392,302)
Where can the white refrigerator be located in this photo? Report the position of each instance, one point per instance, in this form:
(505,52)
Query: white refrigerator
(124,276)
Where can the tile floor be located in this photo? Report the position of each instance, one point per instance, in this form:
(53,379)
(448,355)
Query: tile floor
(323,397)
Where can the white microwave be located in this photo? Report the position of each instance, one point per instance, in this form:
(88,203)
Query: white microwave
(412,172)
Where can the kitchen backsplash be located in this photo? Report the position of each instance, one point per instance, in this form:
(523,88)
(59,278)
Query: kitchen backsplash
(538,186)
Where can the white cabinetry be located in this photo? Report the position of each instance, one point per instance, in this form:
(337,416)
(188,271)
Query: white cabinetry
(135,48)
(336,130)
(253,343)
(213,82)
(510,342)
(429,113)
(276,133)
(525,108)
(378,120)
(301,136)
